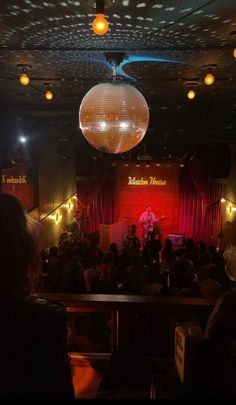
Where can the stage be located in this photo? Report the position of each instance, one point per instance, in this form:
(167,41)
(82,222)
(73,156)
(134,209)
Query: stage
(184,196)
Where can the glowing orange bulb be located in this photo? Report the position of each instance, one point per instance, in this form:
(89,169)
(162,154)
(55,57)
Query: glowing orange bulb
(100,25)
(209,79)
(191,94)
(234,53)
(24,79)
(49,95)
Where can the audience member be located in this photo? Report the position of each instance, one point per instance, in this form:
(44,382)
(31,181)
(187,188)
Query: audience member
(212,371)
(34,361)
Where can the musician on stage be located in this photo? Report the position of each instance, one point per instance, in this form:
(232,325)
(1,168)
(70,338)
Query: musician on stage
(147,220)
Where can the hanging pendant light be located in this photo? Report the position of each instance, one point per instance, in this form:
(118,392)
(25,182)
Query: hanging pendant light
(48,94)
(24,76)
(100,24)
(209,77)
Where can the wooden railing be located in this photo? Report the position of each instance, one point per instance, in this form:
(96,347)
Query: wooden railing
(122,308)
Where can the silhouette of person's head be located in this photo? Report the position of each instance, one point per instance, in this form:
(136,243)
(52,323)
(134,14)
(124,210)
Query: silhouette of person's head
(18,272)
(77,215)
(133,229)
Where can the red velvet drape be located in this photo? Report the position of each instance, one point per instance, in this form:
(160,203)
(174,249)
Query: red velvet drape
(200,207)
(96,197)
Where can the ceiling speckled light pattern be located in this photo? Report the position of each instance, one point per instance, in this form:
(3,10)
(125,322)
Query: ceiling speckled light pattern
(56,39)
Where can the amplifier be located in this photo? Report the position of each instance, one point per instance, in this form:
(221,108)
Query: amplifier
(177,239)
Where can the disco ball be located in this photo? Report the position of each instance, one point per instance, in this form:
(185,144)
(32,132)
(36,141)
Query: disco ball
(114,117)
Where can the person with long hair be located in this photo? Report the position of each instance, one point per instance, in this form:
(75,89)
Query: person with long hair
(34,362)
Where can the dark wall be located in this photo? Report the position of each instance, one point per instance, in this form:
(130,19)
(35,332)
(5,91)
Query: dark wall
(8,133)
(56,184)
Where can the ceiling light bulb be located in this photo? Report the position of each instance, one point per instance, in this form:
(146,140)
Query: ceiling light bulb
(24,79)
(22,139)
(191,94)
(49,95)
(234,53)
(209,79)
(100,25)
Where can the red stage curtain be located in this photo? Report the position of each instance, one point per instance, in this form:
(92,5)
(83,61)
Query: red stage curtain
(200,206)
(96,197)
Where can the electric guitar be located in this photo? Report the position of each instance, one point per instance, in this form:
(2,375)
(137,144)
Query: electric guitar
(147,225)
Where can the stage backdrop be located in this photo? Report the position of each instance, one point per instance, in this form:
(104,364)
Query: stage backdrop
(139,186)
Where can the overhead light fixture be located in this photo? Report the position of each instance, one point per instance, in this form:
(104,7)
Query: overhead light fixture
(209,77)
(191,94)
(49,95)
(100,24)
(48,92)
(24,77)
(233,35)
(22,139)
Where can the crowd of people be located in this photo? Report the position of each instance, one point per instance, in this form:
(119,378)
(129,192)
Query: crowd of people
(34,351)
(79,266)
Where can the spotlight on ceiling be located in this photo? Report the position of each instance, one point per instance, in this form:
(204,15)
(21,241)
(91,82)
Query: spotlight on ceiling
(209,77)
(24,77)
(100,24)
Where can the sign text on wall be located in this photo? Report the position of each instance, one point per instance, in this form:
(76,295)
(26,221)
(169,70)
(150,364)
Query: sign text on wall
(14,180)
(149,181)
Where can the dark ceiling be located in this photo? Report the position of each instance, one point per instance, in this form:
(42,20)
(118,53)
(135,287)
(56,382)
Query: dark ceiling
(180,36)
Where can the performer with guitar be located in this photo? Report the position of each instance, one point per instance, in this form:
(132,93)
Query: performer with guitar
(147,220)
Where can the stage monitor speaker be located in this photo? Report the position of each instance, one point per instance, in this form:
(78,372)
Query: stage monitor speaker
(177,239)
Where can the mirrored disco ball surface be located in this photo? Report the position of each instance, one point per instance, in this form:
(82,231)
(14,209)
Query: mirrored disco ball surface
(113,117)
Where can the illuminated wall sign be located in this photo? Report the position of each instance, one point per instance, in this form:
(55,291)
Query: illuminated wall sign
(142,181)
(14,180)
(19,181)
